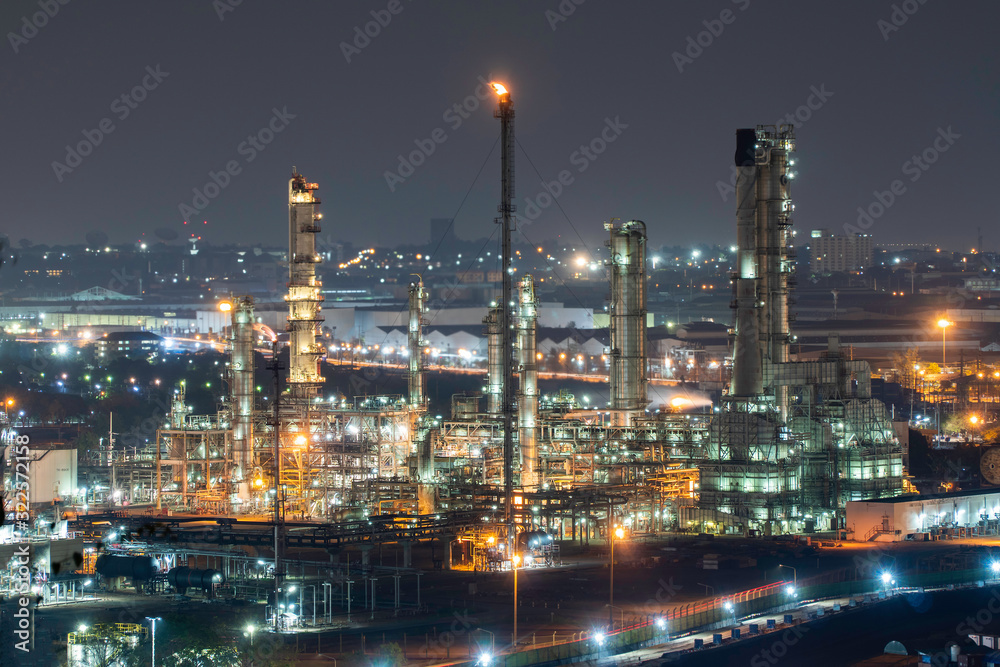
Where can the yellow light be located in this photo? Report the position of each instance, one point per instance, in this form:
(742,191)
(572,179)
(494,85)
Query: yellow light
(499,88)
(300,440)
(944,323)
(516,560)
(491,540)
(225,306)
(678,401)
(619,533)
(974,419)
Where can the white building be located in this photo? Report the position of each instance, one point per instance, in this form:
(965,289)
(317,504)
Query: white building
(896,519)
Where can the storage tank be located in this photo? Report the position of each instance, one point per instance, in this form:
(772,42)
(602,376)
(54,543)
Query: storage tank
(183,578)
(138,568)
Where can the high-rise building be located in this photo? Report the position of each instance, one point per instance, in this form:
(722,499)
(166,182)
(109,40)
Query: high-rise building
(829,253)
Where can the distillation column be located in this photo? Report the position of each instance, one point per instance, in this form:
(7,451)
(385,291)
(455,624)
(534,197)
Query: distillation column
(628,320)
(747,380)
(494,363)
(527,398)
(415,343)
(304,289)
(774,264)
(242,398)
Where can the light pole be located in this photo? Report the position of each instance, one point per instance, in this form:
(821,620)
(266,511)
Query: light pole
(249,632)
(944,324)
(611,611)
(612,533)
(795,576)
(152,622)
(493,640)
(515,560)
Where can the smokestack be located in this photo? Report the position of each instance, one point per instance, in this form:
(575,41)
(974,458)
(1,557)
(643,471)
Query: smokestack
(242,395)
(628,320)
(527,400)
(418,296)
(304,290)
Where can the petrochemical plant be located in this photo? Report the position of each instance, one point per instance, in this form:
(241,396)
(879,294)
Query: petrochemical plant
(788,445)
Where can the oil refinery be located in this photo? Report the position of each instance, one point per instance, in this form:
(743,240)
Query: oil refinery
(236,502)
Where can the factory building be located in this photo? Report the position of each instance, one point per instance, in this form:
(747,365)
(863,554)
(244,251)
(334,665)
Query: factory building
(928,517)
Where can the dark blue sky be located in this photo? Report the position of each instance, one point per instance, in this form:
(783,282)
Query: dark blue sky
(891,92)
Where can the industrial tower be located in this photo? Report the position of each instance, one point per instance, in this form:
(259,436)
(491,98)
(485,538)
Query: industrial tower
(793,440)
(304,289)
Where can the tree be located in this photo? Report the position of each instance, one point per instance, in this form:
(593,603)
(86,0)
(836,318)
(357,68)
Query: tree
(103,646)
(217,656)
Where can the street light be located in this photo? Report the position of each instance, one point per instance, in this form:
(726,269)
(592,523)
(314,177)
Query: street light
(611,612)
(795,575)
(250,631)
(944,324)
(152,622)
(995,568)
(612,534)
(886,580)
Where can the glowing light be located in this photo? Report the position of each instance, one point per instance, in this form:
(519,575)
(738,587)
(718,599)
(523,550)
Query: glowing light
(225,306)
(499,88)
(943,323)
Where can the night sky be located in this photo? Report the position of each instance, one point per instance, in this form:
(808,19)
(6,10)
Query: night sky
(888,92)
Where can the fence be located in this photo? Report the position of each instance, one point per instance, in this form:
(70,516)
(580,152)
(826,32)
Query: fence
(702,616)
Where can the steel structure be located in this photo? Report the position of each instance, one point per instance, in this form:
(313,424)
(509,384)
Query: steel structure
(793,440)
(527,396)
(304,289)
(627,267)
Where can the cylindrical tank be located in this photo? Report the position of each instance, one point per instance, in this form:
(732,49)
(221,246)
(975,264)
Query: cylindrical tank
(140,568)
(183,578)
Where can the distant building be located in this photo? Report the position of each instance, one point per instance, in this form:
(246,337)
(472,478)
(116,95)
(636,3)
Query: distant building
(829,253)
(130,344)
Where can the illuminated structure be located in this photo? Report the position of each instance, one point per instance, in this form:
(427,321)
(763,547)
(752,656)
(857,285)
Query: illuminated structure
(794,440)
(527,395)
(304,296)
(627,267)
